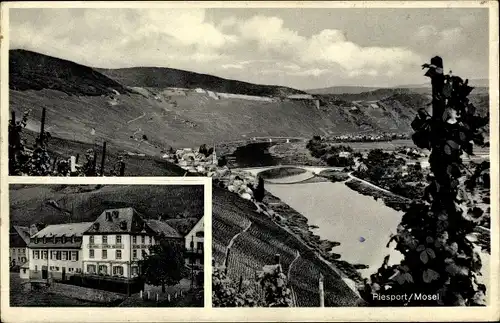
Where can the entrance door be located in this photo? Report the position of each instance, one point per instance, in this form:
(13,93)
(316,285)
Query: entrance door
(63,273)
(45,272)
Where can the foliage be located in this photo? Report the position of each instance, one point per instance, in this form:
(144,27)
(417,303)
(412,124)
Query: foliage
(276,293)
(38,162)
(226,294)
(164,265)
(439,260)
(206,152)
(330,153)
(259,191)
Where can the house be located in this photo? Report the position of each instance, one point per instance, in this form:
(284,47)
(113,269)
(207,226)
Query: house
(194,240)
(19,238)
(55,251)
(24,271)
(118,239)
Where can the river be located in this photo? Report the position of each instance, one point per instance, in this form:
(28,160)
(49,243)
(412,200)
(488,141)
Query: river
(361,224)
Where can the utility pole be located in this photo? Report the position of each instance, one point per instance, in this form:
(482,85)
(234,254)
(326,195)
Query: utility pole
(321,291)
(103,158)
(42,128)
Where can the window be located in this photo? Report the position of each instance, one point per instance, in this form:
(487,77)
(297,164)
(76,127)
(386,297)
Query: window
(118,239)
(134,239)
(64,255)
(33,254)
(74,255)
(58,240)
(118,254)
(135,271)
(118,270)
(36,268)
(104,254)
(104,239)
(91,239)
(24,251)
(63,239)
(191,245)
(19,250)
(58,255)
(24,270)
(91,253)
(143,239)
(91,269)
(46,254)
(200,234)
(37,254)
(134,254)
(103,269)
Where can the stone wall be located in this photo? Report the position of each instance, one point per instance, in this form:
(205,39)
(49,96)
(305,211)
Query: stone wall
(87,294)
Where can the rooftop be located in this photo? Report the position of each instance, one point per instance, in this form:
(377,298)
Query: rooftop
(162,227)
(66,229)
(123,220)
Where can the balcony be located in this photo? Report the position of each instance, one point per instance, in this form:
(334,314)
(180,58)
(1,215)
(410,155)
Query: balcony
(105,246)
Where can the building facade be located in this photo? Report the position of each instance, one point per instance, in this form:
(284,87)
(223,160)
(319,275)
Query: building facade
(118,240)
(19,239)
(194,244)
(55,252)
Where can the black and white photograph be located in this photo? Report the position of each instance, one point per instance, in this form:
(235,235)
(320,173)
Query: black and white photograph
(352,153)
(106,245)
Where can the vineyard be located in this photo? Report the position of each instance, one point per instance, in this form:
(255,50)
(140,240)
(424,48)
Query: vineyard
(257,247)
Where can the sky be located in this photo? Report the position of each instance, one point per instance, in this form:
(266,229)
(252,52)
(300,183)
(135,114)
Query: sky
(300,48)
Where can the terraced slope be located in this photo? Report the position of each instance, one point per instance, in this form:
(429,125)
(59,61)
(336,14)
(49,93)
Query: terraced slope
(257,246)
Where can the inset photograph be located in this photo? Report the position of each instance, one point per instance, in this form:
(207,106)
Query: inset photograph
(106,245)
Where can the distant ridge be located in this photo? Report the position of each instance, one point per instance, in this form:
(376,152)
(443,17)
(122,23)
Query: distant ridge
(34,71)
(163,77)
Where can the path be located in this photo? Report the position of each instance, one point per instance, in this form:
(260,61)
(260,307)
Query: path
(294,297)
(233,239)
(139,117)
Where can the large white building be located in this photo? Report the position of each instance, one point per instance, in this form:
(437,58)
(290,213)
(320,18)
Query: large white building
(111,246)
(55,251)
(117,240)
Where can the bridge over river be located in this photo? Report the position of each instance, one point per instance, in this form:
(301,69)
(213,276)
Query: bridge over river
(315,170)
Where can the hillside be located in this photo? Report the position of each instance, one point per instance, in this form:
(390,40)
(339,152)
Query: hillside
(82,106)
(258,245)
(33,71)
(162,77)
(29,202)
(342,90)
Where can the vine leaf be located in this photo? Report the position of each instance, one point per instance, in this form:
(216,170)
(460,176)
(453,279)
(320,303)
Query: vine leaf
(429,275)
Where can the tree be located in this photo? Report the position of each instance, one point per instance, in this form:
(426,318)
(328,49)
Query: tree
(259,192)
(439,259)
(164,265)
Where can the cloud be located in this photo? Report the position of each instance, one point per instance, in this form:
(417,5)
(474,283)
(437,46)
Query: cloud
(260,48)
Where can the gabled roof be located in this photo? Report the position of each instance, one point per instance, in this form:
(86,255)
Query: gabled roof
(66,229)
(19,236)
(131,219)
(162,227)
(183,225)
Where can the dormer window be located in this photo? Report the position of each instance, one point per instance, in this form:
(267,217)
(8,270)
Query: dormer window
(123,225)
(115,214)
(96,226)
(200,234)
(63,239)
(108,216)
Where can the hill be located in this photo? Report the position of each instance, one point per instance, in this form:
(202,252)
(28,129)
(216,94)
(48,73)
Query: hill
(28,203)
(162,77)
(33,71)
(342,90)
(82,106)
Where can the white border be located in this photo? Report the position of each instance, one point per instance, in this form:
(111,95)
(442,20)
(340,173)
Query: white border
(491,312)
